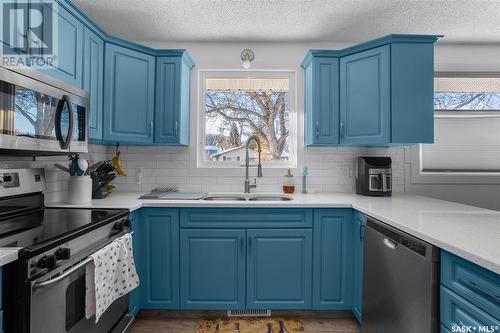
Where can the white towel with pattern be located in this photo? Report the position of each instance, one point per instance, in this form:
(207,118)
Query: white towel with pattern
(111,275)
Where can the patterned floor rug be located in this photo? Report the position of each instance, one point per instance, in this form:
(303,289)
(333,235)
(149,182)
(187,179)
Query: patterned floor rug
(248,325)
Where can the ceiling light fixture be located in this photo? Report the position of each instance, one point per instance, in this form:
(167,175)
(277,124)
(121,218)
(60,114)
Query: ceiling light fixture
(247,58)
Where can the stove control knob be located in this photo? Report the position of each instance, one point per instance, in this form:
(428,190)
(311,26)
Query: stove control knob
(63,253)
(48,261)
(118,226)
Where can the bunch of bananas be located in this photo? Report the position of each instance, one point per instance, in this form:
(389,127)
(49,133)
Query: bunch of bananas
(117,163)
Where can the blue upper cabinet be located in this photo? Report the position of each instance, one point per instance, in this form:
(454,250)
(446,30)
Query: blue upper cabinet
(279,264)
(365,97)
(381,95)
(159,258)
(212,269)
(321,114)
(173,80)
(70,48)
(129,80)
(93,71)
(358,252)
(332,265)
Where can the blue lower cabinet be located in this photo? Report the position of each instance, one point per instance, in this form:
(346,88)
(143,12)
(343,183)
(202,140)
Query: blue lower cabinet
(332,267)
(279,264)
(135,295)
(358,242)
(476,284)
(212,268)
(159,256)
(458,315)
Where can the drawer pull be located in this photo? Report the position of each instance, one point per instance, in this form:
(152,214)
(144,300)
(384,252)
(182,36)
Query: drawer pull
(475,287)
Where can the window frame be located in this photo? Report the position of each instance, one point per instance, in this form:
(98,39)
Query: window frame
(205,74)
(419,176)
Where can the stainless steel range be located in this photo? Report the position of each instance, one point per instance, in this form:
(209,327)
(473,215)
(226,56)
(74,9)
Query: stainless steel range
(44,290)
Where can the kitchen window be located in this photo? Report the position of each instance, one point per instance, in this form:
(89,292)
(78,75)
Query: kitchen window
(235,105)
(466,145)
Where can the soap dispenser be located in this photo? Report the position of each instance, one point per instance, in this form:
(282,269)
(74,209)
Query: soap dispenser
(288,183)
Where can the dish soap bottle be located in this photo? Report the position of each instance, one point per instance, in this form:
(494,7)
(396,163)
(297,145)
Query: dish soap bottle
(289,183)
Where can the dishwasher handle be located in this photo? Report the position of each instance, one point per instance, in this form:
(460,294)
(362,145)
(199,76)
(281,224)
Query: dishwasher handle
(390,244)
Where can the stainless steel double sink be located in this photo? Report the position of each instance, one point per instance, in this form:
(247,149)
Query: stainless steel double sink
(248,197)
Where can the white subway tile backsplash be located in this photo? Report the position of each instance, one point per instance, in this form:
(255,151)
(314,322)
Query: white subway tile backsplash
(330,170)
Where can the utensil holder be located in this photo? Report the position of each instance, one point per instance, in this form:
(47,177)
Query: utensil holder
(79,190)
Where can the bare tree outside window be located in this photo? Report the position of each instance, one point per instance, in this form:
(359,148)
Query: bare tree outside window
(241,108)
(466,101)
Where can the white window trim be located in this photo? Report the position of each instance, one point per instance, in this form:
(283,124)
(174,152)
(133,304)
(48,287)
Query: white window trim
(419,176)
(199,115)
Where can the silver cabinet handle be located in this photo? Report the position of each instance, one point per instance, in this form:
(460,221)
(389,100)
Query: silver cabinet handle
(176,128)
(317,129)
(151,128)
(390,244)
(342,130)
(476,288)
(249,245)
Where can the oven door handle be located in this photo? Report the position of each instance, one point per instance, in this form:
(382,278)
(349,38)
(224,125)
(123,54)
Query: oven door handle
(63,275)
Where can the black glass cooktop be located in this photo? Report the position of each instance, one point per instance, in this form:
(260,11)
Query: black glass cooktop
(30,229)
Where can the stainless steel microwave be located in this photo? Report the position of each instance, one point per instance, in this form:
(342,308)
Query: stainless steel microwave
(40,115)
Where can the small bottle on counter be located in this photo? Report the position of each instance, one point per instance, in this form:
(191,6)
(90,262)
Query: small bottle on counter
(288,183)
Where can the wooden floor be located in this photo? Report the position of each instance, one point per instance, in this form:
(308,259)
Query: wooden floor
(185,322)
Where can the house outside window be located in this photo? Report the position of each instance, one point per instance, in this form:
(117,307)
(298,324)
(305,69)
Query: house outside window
(466,145)
(235,105)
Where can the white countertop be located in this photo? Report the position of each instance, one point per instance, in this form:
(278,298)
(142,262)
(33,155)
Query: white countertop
(469,232)
(8,254)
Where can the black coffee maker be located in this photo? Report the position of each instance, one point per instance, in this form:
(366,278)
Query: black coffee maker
(374,176)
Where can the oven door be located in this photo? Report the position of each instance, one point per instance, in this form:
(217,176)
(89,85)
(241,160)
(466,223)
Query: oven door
(58,305)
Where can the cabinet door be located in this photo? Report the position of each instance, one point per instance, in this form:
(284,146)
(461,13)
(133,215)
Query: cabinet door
(322,102)
(135,295)
(128,95)
(358,242)
(212,269)
(93,71)
(279,264)
(69,64)
(365,110)
(332,271)
(173,79)
(159,242)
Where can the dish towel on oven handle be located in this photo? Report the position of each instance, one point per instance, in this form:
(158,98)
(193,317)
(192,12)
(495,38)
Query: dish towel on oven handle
(111,275)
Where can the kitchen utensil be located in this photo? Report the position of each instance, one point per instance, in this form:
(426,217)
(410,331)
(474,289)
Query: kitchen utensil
(82,165)
(61,167)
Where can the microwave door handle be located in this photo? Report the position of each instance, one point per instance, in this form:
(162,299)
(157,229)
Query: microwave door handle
(384,183)
(64,142)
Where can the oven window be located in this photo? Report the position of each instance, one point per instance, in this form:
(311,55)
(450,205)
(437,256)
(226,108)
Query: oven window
(75,302)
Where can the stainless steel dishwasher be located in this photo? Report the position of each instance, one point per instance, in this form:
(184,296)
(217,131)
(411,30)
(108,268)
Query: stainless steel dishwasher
(401,282)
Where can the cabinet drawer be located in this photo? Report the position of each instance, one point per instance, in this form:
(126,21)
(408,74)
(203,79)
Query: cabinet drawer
(246,218)
(479,286)
(456,311)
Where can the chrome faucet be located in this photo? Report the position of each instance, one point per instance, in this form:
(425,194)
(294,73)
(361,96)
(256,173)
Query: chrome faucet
(249,186)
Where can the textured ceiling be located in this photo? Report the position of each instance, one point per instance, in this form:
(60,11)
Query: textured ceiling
(460,21)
